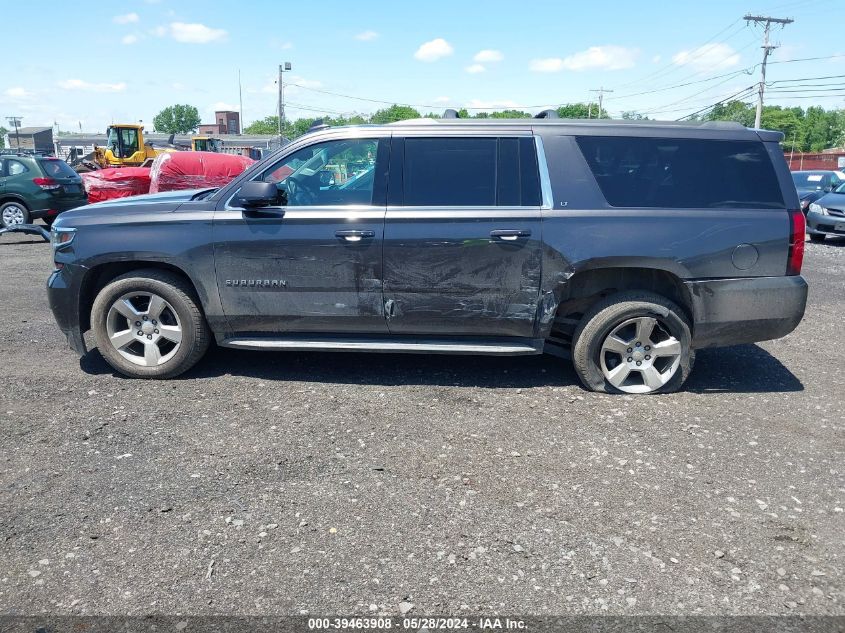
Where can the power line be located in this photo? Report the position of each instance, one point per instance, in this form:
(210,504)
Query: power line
(720,102)
(701,50)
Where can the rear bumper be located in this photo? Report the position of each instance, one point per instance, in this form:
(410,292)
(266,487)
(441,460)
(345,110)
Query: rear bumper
(734,311)
(63,294)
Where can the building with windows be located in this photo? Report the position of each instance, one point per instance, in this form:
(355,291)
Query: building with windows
(226,122)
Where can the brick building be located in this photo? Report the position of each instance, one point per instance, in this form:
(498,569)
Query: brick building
(226,122)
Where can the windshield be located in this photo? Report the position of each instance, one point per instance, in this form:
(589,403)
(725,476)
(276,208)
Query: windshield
(840,188)
(808,180)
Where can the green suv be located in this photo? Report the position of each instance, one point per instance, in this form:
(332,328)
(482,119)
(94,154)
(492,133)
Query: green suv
(37,186)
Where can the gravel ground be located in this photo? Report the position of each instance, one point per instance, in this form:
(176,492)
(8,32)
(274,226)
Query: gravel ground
(289,483)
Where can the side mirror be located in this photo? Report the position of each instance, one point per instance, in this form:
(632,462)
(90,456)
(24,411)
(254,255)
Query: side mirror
(258,193)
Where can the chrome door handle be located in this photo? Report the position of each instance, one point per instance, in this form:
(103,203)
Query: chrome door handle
(354,236)
(509,234)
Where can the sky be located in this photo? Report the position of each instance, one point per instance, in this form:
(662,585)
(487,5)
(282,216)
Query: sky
(87,64)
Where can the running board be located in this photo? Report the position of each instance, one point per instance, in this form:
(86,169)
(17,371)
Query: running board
(491,347)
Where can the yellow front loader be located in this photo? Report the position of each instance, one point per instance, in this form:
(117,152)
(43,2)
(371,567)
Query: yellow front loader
(125,147)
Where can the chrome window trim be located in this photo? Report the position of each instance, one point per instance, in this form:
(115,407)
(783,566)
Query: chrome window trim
(545,179)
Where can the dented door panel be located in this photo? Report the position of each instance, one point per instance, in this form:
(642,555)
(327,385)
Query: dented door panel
(445,274)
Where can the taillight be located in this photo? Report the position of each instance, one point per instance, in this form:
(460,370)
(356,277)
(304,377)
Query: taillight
(797,236)
(47,184)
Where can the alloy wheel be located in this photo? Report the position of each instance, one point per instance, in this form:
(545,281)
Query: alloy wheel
(640,355)
(13,214)
(144,328)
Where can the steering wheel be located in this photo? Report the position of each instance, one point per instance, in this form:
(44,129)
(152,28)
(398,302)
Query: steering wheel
(298,193)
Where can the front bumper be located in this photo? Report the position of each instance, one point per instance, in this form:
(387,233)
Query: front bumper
(63,294)
(746,310)
(819,224)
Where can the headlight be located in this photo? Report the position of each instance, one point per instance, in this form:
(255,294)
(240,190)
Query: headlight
(60,237)
(817,208)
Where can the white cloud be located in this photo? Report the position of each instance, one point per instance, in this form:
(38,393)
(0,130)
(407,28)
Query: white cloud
(475,69)
(656,59)
(195,33)
(434,50)
(129,39)
(78,84)
(222,105)
(488,56)
(18,93)
(366,36)
(594,58)
(442,99)
(708,57)
(159,31)
(129,18)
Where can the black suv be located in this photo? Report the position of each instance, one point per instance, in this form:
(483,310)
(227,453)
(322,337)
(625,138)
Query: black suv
(36,186)
(624,246)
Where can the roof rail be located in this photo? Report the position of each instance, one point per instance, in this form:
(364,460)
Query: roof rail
(451,114)
(547,114)
(14,151)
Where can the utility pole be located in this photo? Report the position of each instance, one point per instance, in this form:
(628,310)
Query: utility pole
(241,104)
(601,92)
(282,69)
(16,121)
(767,49)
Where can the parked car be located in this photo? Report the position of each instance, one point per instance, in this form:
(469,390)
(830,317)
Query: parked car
(826,216)
(37,186)
(812,185)
(623,246)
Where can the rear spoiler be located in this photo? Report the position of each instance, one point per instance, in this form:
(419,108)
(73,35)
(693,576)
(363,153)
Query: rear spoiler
(770,136)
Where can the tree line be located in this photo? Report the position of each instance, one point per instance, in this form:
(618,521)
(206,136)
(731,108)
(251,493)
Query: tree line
(805,130)
(298,127)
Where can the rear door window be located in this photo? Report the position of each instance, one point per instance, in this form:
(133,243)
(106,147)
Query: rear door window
(442,172)
(682,173)
(15,167)
(449,172)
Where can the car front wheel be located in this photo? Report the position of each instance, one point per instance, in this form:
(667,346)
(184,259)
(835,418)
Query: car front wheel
(148,324)
(633,342)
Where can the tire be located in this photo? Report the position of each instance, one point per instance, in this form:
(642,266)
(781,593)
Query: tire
(817,237)
(622,314)
(173,314)
(14,212)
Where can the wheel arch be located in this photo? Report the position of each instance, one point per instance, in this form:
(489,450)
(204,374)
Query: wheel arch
(13,197)
(99,276)
(587,287)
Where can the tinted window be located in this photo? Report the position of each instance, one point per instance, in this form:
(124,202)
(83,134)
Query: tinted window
(517,179)
(682,173)
(450,171)
(57,169)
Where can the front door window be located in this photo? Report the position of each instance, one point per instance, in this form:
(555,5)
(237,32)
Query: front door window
(332,173)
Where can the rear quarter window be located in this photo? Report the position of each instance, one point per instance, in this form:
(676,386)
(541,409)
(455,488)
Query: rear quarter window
(682,173)
(57,169)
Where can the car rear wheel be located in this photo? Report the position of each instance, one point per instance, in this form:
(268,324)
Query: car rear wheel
(13,213)
(817,237)
(148,324)
(633,342)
